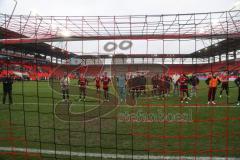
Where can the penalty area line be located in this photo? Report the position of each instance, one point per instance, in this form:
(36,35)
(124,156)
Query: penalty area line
(108,155)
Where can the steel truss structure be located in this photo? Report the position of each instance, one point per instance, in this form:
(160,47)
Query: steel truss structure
(220,28)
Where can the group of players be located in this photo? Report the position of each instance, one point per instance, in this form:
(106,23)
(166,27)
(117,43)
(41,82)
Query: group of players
(161,86)
(82,84)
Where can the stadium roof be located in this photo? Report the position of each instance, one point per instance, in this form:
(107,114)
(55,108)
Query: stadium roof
(41,48)
(220,48)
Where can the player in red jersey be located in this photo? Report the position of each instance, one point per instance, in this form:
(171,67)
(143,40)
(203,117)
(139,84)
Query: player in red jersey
(167,84)
(237,82)
(183,81)
(155,84)
(161,87)
(82,83)
(224,80)
(98,83)
(105,80)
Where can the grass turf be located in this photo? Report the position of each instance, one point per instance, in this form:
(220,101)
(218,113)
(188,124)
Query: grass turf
(31,122)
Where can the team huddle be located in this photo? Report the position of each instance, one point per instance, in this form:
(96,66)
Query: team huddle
(183,86)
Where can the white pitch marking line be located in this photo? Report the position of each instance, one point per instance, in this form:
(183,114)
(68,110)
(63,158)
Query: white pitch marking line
(112,156)
(151,106)
(32,103)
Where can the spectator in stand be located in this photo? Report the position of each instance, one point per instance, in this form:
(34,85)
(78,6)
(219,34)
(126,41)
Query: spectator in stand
(64,84)
(213,81)
(237,82)
(7,88)
(194,81)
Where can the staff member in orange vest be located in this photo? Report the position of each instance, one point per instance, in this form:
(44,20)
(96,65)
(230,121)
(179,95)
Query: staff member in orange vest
(82,83)
(213,81)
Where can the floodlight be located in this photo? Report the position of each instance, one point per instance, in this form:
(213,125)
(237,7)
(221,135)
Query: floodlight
(236,4)
(34,12)
(215,22)
(201,30)
(54,26)
(65,33)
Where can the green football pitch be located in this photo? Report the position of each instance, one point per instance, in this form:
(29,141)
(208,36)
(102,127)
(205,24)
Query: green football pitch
(153,128)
